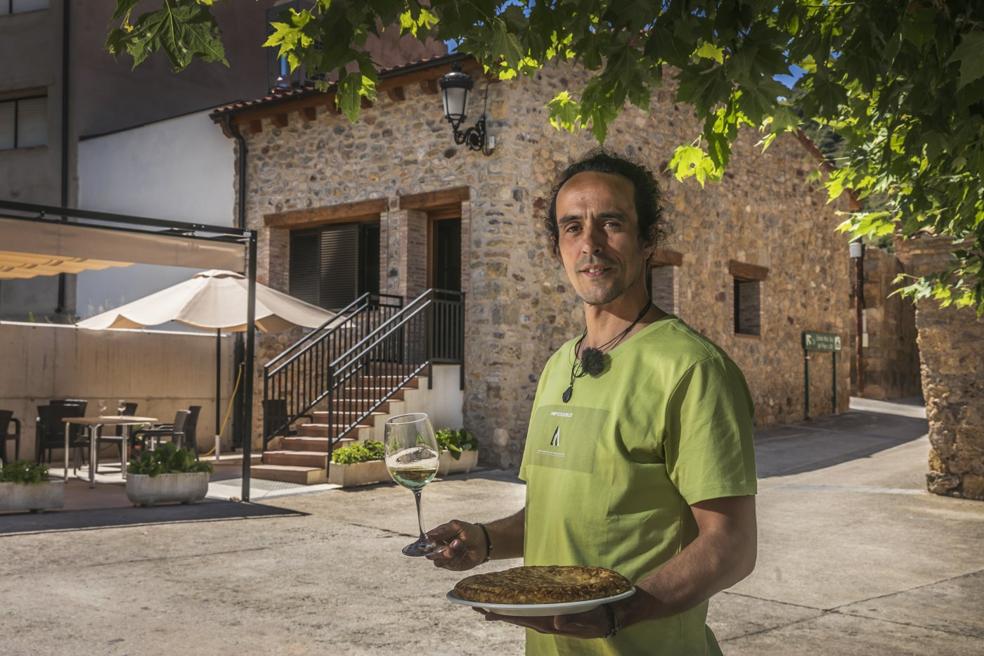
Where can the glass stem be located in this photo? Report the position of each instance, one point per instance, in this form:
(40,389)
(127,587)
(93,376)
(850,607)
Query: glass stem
(420,521)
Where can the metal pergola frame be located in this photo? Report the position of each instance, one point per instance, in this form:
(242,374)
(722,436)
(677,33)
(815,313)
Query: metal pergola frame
(139,225)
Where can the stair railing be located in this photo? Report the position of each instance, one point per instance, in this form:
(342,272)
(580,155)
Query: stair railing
(294,381)
(428,330)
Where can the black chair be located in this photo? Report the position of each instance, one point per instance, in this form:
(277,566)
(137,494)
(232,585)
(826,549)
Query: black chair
(157,432)
(118,434)
(82,403)
(7,418)
(190,439)
(50,430)
(275,420)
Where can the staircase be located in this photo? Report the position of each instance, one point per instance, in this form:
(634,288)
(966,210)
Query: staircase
(350,375)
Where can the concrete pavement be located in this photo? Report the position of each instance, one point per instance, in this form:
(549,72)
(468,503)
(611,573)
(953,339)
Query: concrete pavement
(854,558)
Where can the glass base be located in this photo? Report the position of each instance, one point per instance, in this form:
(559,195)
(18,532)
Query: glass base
(421,547)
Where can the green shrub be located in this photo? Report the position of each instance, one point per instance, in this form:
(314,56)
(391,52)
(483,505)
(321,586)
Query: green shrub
(167,459)
(358,452)
(23,471)
(455,441)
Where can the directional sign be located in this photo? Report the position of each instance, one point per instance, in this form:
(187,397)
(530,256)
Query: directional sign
(824,342)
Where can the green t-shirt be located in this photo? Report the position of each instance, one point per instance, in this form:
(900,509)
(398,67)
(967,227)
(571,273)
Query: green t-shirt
(612,474)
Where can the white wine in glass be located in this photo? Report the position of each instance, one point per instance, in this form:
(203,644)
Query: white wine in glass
(411,457)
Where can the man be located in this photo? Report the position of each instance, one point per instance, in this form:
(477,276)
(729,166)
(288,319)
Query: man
(639,455)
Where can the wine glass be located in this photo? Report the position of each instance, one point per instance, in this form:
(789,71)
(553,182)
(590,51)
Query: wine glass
(411,455)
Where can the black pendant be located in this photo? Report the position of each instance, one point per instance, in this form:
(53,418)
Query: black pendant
(568,393)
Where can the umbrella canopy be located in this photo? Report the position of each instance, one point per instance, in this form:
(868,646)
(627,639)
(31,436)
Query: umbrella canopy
(216,300)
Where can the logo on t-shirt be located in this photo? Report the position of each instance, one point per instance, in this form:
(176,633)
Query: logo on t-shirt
(555,440)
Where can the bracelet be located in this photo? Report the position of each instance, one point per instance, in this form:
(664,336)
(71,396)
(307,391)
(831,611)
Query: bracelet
(488,543)
(613,623)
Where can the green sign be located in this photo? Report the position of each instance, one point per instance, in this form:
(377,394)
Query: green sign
(825,342)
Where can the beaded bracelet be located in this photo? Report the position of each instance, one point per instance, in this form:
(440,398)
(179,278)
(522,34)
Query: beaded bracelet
(488,543)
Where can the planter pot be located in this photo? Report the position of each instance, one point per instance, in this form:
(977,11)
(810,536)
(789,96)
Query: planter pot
(19,497)
(360,473)
(144,490)
(464,464)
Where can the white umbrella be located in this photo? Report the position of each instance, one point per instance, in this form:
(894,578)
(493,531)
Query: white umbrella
(214,299)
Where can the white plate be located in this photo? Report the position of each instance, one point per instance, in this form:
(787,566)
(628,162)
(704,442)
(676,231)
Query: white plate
(540,610)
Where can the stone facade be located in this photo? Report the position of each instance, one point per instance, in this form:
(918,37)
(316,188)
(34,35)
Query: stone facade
(519,305)
(890,358)
(952,358)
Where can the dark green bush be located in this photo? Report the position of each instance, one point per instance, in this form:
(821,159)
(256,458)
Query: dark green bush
(23,471)
(358,452)
(167,459)
(455,441)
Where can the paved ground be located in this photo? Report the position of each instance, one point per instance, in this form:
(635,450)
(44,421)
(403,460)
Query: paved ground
(855,558)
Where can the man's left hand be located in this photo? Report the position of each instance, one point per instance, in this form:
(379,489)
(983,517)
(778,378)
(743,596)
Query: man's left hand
(591,624)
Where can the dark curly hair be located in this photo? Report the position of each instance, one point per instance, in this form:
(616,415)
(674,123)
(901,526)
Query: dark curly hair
(648,206)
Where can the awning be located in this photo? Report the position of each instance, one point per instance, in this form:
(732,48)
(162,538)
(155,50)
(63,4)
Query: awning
(15,265)
(57,247)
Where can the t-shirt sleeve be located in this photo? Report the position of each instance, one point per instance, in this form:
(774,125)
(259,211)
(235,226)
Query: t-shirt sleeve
(709,441)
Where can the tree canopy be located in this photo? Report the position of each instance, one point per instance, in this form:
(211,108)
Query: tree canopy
(899,82)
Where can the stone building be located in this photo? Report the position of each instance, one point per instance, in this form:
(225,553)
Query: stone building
(751,262)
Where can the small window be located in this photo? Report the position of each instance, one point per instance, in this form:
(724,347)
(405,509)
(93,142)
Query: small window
(748,307)
(21,6)
(662,287)
(23,122)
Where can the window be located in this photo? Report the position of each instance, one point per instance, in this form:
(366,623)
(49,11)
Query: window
(662,287)
(332,266)
(23,122)
(747,307)
(748,296)
(21,6)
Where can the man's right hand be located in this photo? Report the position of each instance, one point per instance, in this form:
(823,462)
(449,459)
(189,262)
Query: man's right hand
(464,545)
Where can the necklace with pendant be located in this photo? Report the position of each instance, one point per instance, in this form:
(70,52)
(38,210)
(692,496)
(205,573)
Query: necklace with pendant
(594,360)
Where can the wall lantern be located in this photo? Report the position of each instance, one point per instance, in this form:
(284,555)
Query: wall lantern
(856,249)
(455,87)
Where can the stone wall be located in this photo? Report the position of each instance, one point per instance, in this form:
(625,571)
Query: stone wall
(952,360)
(519,305)
(891,359)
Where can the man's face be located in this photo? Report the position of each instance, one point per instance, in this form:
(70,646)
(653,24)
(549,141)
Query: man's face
(598,236)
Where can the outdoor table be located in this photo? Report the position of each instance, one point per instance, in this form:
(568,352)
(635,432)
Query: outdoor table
(94,424)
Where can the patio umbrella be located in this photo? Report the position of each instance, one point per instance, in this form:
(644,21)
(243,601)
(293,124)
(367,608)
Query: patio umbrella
(214,299)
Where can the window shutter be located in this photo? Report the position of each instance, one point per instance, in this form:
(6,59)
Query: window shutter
(305,263)
(339,265)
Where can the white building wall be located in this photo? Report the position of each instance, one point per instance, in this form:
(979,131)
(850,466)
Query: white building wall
(180,169)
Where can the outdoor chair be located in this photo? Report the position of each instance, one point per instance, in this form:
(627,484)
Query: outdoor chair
(50,431)
(6,419)
(82,403)
(190,438)
(157,432)
(118,434)
(275,419)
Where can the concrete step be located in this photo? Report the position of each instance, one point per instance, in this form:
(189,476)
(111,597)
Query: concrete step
(290,474)
(321,416)
(321,430)
(312,443)
(295,458)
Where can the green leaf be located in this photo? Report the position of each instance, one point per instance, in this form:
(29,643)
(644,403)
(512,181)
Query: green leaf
(710,51)
(970,54)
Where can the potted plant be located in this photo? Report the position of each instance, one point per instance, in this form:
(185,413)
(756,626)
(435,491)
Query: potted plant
(166,475)
(359,463)
(459,451)
(25,486)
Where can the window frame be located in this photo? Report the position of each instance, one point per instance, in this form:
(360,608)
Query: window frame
(16,101)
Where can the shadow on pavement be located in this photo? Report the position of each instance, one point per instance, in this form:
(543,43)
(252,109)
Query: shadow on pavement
(84,520)
(828,441)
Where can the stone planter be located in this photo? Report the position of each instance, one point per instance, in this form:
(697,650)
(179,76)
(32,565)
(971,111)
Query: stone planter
(359,473)
(144,490)
(464,464)
(18,497)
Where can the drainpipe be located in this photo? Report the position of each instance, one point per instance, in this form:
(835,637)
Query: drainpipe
(857,254)
(60,309)
(240,346)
